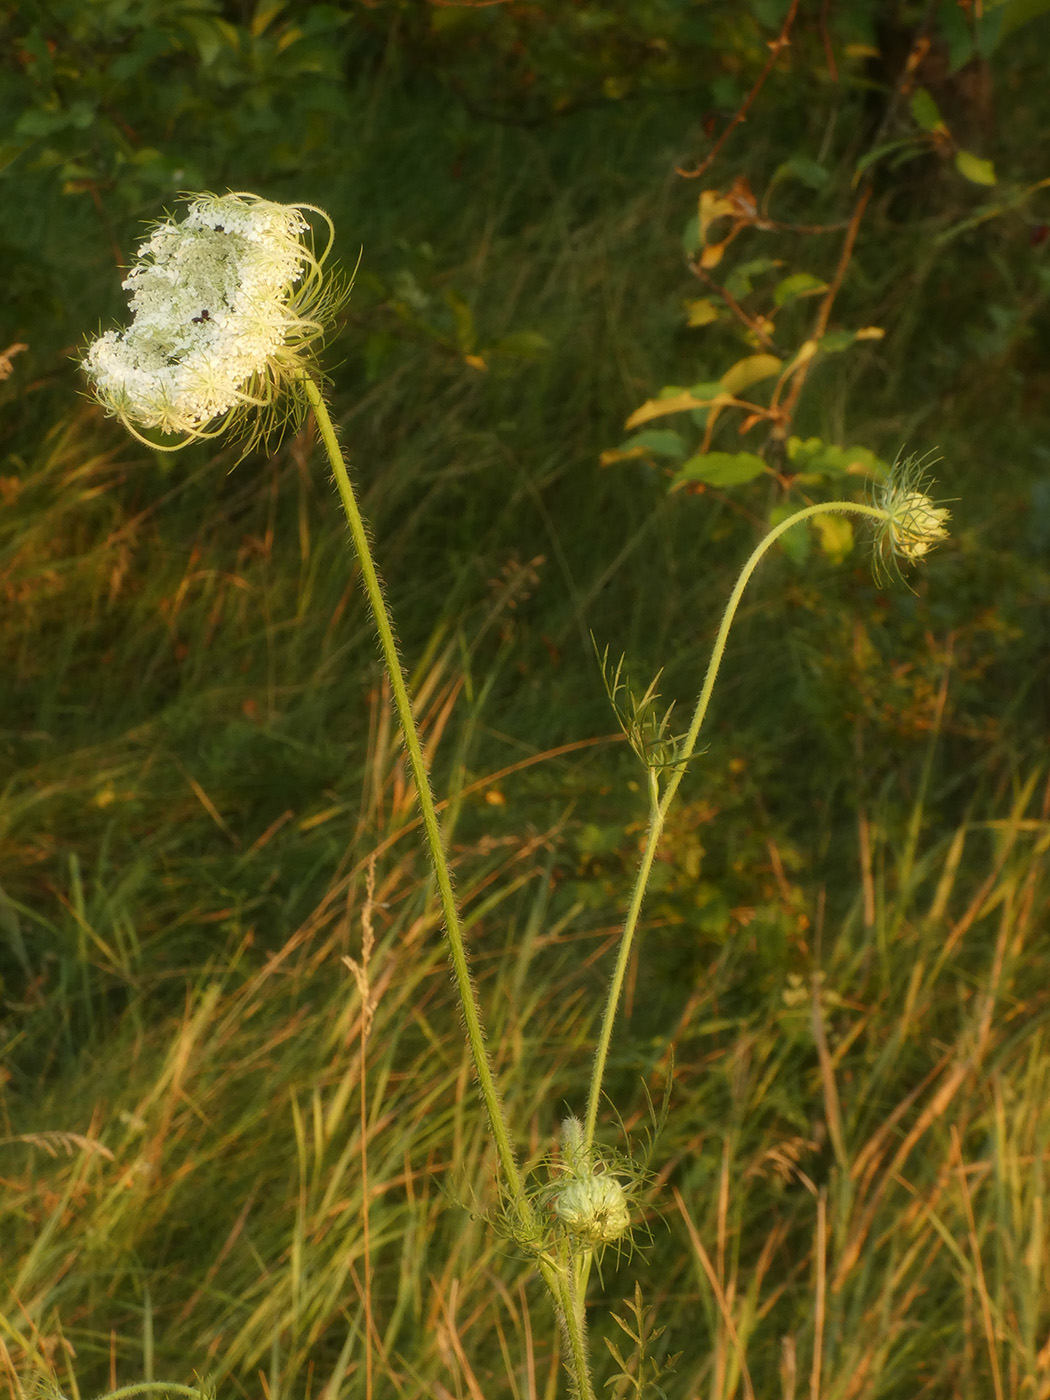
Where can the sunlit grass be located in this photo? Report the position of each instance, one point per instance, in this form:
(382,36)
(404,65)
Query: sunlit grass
(199,763)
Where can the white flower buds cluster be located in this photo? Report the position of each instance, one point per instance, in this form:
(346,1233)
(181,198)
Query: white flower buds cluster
(592,1205)
(913,523)
(224,305)
(917,524)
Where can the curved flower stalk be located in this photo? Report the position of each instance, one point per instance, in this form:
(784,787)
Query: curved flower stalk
(907,524)
(229,307)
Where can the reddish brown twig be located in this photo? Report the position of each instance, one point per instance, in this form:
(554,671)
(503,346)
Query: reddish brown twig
(775,48)
(797,379)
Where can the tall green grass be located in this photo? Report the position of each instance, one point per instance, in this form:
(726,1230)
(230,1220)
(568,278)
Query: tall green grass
(844,944)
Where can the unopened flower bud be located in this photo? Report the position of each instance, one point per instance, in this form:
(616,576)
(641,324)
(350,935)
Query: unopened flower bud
(917,524)
(593,1208)
(912,521)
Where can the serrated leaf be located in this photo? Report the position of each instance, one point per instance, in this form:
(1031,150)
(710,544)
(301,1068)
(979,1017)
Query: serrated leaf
(975,168)
(750,371)
(925,112)
(720,469)
(799,284)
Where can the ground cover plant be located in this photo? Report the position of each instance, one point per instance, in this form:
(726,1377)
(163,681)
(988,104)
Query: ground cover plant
(241,1139)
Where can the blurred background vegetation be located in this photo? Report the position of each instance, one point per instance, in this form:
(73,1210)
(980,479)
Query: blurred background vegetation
(842,945)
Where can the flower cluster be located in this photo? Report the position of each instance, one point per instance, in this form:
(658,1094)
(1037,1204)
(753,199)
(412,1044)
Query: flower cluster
(591,1204)
(912,522)
(226,305)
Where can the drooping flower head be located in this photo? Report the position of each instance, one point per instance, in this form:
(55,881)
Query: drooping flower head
(913,522)
(228,308)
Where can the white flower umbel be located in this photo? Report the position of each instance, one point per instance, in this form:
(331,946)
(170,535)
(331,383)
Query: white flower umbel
(228,307)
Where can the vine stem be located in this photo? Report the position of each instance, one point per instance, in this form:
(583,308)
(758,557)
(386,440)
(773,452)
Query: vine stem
(425,796)
(660,805)
(567,1302)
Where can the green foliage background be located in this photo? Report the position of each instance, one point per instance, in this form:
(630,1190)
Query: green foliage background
(195,750)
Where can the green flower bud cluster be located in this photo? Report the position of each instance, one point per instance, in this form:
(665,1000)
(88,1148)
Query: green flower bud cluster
(591,1204)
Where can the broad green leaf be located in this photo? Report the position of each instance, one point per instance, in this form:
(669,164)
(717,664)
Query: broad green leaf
(750,371)
(925,112)
(659,442)
(807,172)
(720,469)
(1018,12)
(706,392)
(974,168)
(835,341)
(814,456)
(739,282)
(799,284)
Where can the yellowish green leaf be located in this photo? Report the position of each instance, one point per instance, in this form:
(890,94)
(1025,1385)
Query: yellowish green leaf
(975,168)
(750,371)
(925,112)
(799,284)
(701,312)
(678,403)
(836,535)
(720,469)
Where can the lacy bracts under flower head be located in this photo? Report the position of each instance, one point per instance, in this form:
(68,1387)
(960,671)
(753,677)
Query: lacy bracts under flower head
(227,306)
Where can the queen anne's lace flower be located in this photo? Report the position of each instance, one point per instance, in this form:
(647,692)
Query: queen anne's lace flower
(227,307)
(912,521)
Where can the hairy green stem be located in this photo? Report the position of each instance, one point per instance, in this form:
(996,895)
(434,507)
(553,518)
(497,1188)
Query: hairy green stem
(660,805)
(453,927)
